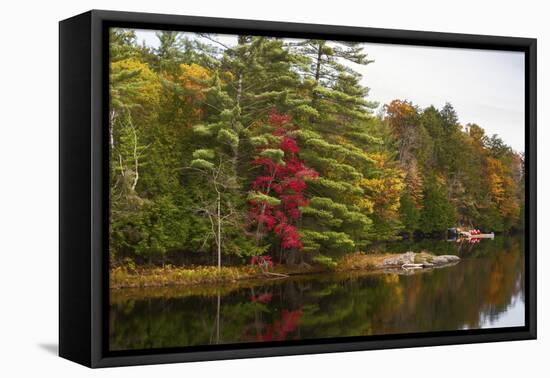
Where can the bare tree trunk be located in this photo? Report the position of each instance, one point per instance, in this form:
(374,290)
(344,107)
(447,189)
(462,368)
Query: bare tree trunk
(259,227)
(112,117)
(257,323)
(136,160)
(314,96)
(239,89)
(236,149)
(318,66)
(219,232)
(218,319)
(262,213)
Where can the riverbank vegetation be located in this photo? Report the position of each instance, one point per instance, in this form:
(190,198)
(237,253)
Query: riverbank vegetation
(131,276)
(270,147)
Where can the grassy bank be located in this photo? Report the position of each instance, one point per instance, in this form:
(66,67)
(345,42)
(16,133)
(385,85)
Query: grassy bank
(170,275)
(173,275)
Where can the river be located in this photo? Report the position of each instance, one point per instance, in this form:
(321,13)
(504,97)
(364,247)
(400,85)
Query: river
(484,290)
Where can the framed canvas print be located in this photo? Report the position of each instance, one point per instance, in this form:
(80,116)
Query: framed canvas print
(233,188)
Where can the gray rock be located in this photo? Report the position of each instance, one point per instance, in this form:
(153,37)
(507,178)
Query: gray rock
(399,260)
(408,260)
(452,258)
(438,260)
(444,259)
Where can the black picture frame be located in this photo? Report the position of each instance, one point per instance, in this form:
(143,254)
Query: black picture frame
(83,194)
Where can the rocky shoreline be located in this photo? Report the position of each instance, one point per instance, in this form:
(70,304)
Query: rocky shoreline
(405,263)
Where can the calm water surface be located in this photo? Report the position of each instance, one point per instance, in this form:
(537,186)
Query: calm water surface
(484,290)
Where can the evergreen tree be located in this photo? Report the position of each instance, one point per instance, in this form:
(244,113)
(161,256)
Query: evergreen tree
(409,214)
(438,214)
(335,138)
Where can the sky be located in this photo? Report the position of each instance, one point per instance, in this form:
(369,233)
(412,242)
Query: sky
(485,87)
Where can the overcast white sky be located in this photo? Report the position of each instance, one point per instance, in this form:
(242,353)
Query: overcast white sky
(485,87)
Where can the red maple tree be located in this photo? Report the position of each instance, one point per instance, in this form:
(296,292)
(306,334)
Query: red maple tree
(283,180)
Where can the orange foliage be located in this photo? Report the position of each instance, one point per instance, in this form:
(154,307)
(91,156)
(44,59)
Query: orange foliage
(398,113)
(194,79)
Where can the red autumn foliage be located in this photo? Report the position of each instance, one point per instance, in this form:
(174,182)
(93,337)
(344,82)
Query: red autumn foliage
(262,298)
(278,119)
(289,145)
(264,261)
(284,181)
(280,329)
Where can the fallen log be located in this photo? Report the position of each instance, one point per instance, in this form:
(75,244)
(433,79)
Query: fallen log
(412,266)
(275,274)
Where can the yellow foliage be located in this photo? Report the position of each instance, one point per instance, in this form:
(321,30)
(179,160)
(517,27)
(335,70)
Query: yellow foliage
(194,76)
(134,83)
(502,188)
(366,205)
(383,192)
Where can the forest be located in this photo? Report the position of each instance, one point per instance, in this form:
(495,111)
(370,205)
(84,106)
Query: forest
(272,148)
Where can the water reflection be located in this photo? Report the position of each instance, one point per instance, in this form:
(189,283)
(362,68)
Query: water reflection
(513,316)
(485,290)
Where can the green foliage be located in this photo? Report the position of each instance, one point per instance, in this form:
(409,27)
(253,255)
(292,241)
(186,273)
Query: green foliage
(202,164)
(325,261)
(263,198)
(490,219)
(148,228)
(409,213)
(228,137)
(438,213)
(204,153)
(276,155)
(202,130)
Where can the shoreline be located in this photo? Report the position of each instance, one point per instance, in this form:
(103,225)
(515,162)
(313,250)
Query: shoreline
(171,276)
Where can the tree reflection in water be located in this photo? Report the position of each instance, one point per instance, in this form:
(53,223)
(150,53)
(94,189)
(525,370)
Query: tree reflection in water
(486,289)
